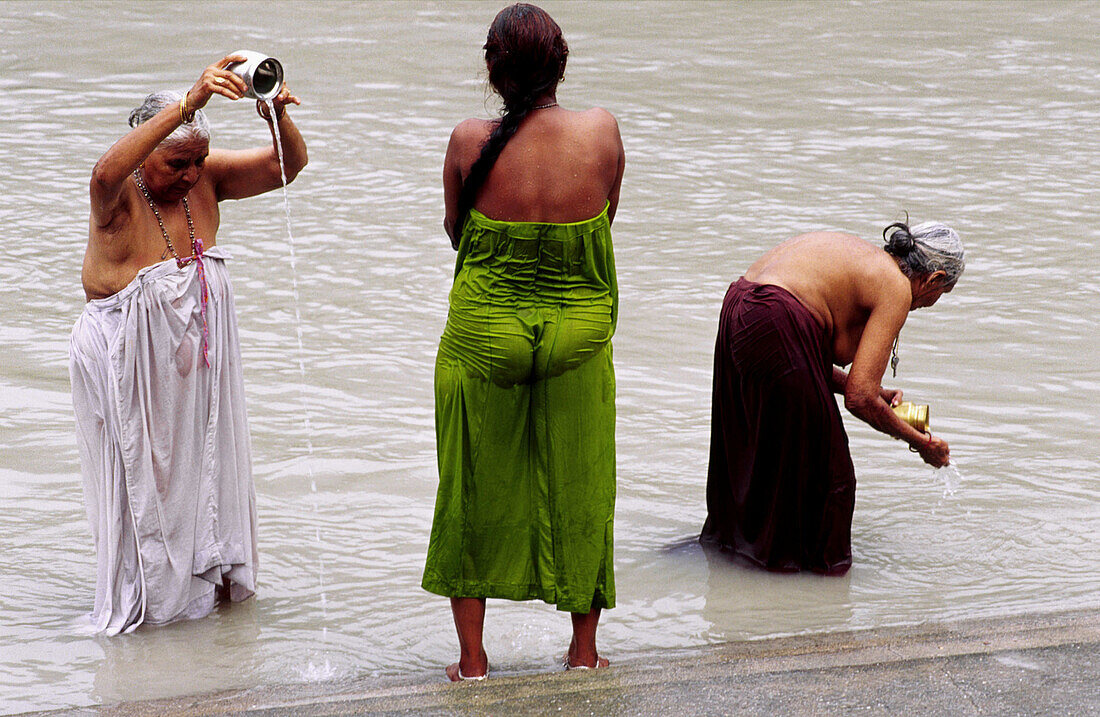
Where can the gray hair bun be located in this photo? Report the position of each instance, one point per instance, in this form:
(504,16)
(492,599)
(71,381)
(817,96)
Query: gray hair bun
(926,248)
(901,241)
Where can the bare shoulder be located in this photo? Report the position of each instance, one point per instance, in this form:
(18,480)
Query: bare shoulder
(600,115)
(830,238)
(471,133)
(879,280)
(858,254)
(466,141)
(598,132)
(600,121)
(824,246)
(817,258)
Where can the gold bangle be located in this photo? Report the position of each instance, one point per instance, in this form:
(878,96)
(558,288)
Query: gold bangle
(184,118)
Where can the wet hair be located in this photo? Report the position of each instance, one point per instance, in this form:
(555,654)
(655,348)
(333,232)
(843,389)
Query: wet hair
(926,248)
(525,54)
(197,128)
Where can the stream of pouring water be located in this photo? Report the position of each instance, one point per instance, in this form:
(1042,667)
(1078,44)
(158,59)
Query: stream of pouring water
(949,477)
(323,670)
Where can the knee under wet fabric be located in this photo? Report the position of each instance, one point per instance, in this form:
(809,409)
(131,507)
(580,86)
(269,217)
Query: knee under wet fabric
(525,417)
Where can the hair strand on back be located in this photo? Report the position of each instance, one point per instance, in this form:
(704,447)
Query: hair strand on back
(525,54)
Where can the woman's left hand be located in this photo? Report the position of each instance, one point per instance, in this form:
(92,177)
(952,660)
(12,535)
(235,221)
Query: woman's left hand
(892,396)
(280,102)
(934,451)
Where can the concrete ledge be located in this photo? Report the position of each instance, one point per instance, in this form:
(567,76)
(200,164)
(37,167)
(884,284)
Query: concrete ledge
(1028,665)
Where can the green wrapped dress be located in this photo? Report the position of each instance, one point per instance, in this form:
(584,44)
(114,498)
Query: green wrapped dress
(525,417)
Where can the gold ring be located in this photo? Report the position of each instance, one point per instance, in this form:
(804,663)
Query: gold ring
(219,80)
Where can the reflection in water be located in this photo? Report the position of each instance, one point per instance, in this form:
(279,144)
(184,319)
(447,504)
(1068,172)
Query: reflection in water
(736,138)
(735,610)
(173,659)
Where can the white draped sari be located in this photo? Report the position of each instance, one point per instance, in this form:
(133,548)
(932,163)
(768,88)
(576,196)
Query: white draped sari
(164,446)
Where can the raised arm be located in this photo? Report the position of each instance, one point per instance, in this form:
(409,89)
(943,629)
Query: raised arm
(125,155)
(237,174)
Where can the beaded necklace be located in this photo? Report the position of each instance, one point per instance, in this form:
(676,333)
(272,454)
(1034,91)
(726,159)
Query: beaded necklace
(196,257)
(164,232)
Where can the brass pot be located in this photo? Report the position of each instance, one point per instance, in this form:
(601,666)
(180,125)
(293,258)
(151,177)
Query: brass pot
(913,414)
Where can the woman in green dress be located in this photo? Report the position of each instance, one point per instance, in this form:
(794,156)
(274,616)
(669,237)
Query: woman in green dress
(524,384)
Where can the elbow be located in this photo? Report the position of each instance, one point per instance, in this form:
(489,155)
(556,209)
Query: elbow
(292,172)
(100,181)
(860,403)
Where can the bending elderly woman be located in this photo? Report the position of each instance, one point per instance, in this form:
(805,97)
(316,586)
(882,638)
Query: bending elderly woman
(155,362)
(781,486)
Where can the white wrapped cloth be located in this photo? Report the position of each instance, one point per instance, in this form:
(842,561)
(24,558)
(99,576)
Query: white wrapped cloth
(164,446)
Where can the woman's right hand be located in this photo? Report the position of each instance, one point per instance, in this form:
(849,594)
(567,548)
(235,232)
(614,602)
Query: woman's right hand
(935,452)
(215,79)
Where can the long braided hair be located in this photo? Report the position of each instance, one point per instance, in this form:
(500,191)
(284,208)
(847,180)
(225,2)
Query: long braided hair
(525,54)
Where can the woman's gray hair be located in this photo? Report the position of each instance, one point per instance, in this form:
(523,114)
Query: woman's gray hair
(926,248)
(197,128)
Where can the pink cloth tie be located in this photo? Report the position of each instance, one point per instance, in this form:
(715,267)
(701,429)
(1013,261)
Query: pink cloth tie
(201,271)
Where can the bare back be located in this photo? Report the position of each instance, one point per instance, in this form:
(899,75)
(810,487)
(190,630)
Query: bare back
(850,286)
(560,166)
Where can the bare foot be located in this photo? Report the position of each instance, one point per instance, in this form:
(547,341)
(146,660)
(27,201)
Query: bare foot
(455,673)
(575,663)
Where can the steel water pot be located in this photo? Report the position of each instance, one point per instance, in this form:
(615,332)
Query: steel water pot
(262,74)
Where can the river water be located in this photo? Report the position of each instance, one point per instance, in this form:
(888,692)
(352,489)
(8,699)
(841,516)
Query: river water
(743,125)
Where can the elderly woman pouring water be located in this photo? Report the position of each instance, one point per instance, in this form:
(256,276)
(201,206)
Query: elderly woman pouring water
(781,486)
(155,360)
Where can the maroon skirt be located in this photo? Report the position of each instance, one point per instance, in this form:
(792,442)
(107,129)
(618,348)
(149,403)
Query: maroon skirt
(781,485)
